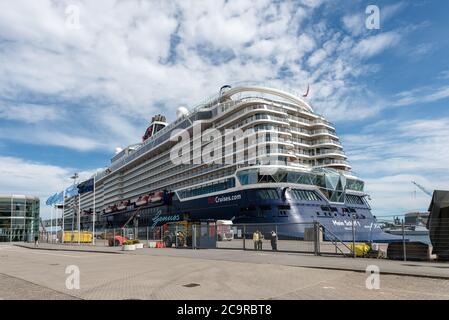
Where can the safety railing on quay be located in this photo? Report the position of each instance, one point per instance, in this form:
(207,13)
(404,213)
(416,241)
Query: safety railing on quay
(397,238)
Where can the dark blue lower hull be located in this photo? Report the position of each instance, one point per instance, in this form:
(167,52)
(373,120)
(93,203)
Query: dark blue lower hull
(290,219)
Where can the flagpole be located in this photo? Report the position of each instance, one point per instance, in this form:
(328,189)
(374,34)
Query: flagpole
(94,214)
(79,218)
(63,208)
(51,223)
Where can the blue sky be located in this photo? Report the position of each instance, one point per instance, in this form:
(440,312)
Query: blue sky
(69,96)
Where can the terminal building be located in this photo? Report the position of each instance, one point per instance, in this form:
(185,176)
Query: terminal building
(19,217)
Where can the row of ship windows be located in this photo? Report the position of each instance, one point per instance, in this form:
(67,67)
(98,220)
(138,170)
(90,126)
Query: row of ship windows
(352,199)
(208,188)
(189,181)
(283,211)
(177,173)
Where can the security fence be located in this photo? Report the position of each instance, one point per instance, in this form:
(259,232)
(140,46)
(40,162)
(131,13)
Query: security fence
(395,237)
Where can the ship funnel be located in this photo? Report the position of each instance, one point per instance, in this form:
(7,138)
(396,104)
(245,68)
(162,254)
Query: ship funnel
(158,122)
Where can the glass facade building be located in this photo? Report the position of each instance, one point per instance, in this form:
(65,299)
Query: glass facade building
(19,217)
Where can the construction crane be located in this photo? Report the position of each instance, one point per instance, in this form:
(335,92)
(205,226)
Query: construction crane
(422,188)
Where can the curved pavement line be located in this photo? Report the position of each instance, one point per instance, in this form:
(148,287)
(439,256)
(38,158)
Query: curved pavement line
(392,273)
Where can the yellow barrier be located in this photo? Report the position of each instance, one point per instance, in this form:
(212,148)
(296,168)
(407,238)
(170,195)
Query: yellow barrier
(361,249)
(84,236)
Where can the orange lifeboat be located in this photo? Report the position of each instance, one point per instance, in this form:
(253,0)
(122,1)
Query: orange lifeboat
(122,205)
(157,197)
(143,200)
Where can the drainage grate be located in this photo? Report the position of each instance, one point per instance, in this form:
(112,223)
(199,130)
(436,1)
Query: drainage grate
(191,285)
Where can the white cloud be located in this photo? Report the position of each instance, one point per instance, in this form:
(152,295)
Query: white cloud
(52,137)
(28,113)
(19,176)
(387,12)
(390,154)
(374,45)
(132,59)
(355,23)
(317,57)
(129,58)
(422,95)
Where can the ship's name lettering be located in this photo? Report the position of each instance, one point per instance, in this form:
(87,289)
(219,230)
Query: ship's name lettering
(345,223)
(166,218)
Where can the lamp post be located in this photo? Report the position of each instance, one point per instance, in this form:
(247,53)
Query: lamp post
(74,177)
(94,212)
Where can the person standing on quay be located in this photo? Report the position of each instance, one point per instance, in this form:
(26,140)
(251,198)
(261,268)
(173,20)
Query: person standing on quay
(274,241)
(256,239)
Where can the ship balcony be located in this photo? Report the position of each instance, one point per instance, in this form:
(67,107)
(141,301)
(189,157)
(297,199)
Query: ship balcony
(248,111)
(312,123)
(307,113)
(324,132)
(300,132)
(326,142)
(332,163)
(301,142)
(322,122)
(302,154)
(264,120)
(329,153)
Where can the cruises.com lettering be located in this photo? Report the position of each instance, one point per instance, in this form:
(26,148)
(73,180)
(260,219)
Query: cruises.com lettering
(224,199)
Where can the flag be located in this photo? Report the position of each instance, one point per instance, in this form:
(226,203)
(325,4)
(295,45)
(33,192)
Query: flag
(59,198)
(71,191)
(86,186)
(50,200)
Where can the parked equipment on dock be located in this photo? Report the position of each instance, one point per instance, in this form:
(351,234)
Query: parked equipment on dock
(77,236)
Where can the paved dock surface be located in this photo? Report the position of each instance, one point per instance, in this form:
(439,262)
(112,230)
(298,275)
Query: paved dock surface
(203,274)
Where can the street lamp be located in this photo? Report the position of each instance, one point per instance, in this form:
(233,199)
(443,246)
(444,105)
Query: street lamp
(74,177)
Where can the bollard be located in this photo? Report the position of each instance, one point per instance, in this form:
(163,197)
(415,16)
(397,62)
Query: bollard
(176,236)
(194,236)
(353,238)
(244,237)
(403,241)
(317,229)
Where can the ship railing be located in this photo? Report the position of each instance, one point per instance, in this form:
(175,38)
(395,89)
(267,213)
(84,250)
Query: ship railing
(336,241)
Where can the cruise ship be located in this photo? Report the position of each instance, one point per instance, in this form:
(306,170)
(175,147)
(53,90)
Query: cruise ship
(222,173)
